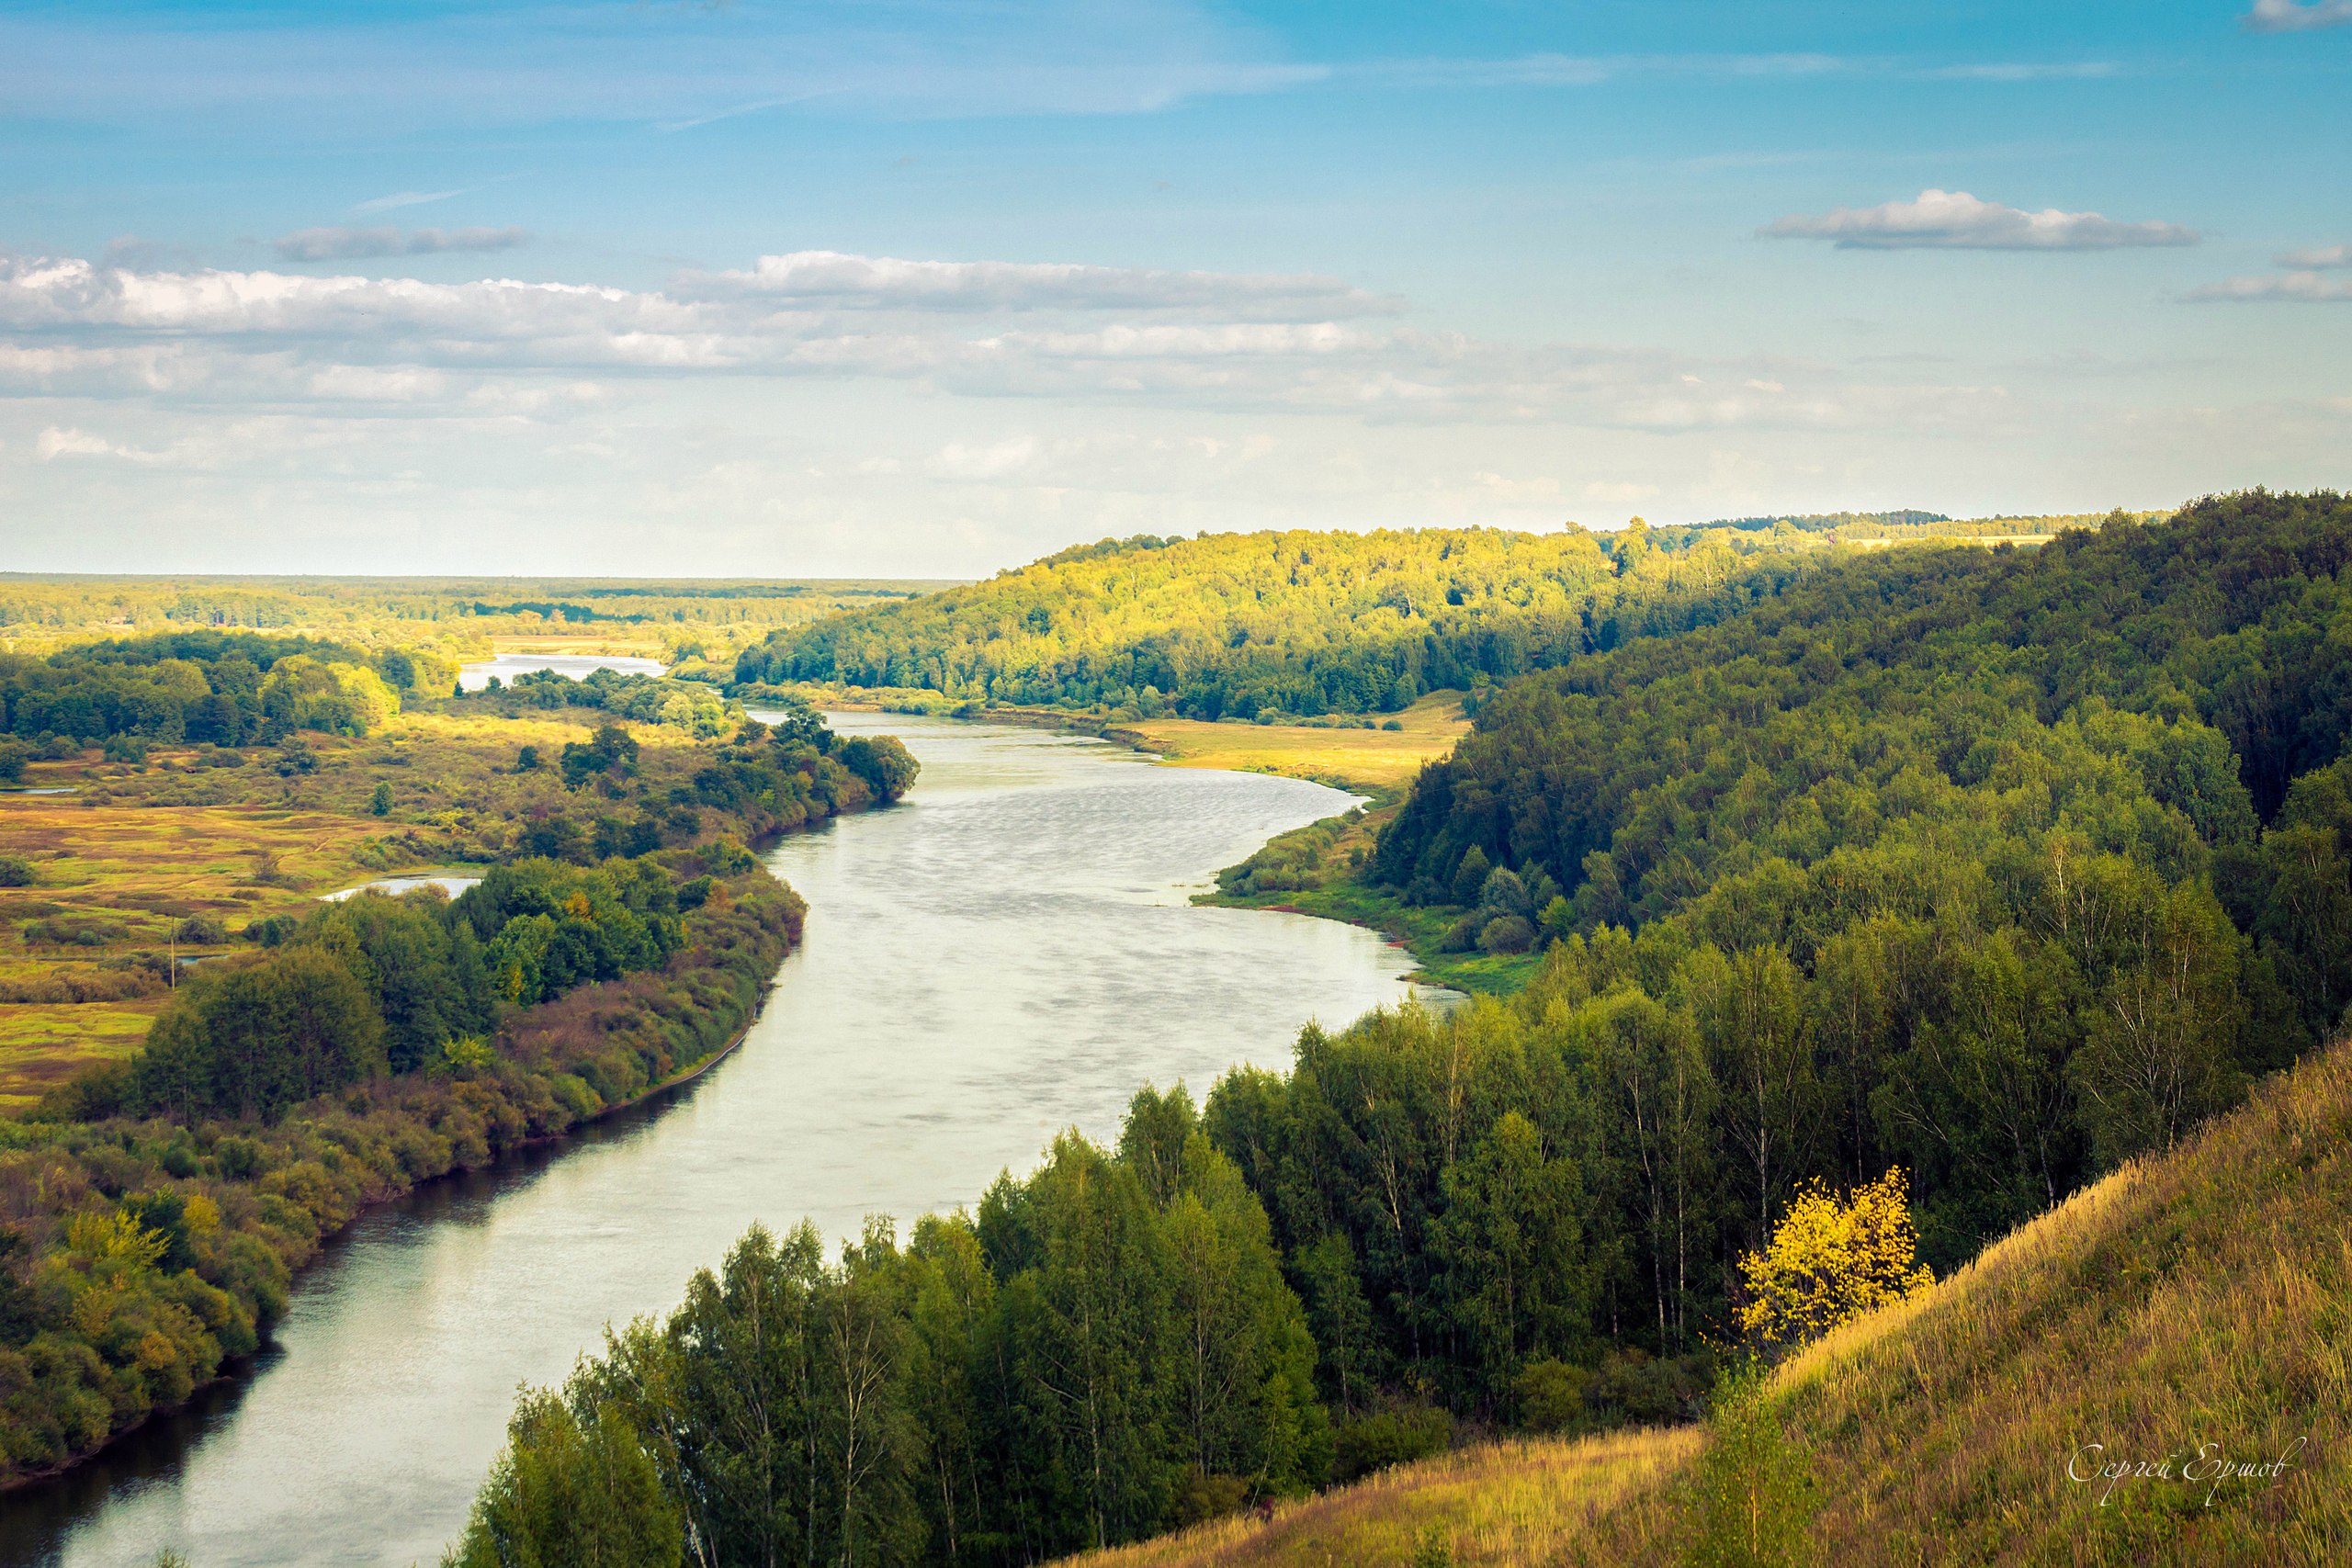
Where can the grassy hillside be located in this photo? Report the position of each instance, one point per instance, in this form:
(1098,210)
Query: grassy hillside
(2199,1297)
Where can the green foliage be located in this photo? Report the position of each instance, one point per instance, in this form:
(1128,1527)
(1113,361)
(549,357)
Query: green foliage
(1105,1348)
(1998,867)
(571,1491)
(637,697)
(229,688)
(1755,1489)
(1251,625)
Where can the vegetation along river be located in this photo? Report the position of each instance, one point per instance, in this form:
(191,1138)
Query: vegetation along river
(1009,953)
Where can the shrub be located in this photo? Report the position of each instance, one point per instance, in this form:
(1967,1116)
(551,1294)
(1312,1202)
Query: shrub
(1551,1395)
(16,871)
(1756,1489)
(1506,933)
(200,929)
(1397,1435)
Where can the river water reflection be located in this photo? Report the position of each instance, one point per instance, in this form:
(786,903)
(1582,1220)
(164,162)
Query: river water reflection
(1007,953)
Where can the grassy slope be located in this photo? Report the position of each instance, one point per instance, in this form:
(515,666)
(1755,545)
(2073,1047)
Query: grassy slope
(2201,1297)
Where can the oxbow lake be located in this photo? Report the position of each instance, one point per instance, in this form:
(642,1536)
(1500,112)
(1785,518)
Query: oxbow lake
(1008,952)
(576,665)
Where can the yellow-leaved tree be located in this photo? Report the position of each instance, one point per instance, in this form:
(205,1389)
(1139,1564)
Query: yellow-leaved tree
(1829,1260)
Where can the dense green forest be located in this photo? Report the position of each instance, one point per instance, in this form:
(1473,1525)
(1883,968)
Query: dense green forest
(1998,867)
(1303,624)
(228,688)
(1235,624)
(152,1211)
(1105,1348)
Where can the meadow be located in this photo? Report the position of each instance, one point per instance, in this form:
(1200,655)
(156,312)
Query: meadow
(1362,756)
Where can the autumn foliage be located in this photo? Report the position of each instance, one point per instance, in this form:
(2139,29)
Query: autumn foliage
(1829,1260)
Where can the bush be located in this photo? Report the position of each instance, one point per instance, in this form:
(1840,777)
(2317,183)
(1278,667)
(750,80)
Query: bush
(1756,1488)
(1398,1435)
(16,871)
(1394,724)
(200,929)
(1551,1395)
(1506,933)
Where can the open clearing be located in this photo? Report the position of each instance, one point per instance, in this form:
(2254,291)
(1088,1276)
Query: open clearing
(1380,759)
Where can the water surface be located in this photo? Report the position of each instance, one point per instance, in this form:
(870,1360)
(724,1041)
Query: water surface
(1007,953)
(572,665)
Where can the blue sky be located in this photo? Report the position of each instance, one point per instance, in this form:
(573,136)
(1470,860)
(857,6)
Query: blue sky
(469,286)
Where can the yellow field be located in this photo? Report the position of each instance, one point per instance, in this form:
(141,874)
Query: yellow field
(1380,759)
(43,1044)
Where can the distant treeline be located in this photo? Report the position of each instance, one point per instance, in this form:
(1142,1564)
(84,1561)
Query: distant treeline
(1234,625)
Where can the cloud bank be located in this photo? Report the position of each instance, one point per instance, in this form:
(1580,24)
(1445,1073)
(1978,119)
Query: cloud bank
(1941,219)
(358,243)
(831,279)
(1211,342)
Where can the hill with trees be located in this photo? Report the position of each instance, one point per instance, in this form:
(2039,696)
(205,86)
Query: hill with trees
(1235,626)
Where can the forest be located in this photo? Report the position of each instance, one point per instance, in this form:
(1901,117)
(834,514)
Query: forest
(1104,1348)
(227,688)
(1991,868)
(1249,626)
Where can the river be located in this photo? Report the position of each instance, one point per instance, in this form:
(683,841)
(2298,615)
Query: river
(1008,952)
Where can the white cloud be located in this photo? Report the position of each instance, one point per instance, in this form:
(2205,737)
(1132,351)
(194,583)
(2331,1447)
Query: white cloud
(2316,259)
(833,280)
(2028,70)
(355,243)
(55,442)
(2308,288)
(2290,17)
(1941,219)
(406,199)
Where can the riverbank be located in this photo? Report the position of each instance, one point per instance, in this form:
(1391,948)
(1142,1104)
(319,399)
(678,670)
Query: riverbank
(183,1271)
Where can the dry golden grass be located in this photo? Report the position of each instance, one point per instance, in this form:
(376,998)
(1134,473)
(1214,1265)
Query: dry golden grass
(2201,1297)
(1380,759)
(1506,1505)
